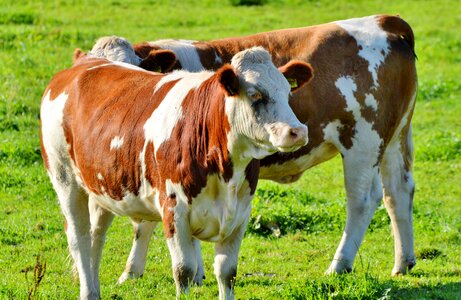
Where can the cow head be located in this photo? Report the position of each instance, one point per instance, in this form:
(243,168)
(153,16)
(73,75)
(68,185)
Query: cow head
(257,101)
(116,48)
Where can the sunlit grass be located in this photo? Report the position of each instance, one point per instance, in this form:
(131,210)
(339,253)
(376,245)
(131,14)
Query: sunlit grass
(295,228)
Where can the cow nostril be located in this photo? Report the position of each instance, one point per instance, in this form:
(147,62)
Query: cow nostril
(293,133)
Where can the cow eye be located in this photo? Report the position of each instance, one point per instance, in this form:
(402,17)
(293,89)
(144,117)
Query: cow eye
(257,98)
(255,95)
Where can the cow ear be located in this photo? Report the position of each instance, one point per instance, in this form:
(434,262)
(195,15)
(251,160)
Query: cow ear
(228,80)
(298,73)
(78,54)
(159,61)
(143,49)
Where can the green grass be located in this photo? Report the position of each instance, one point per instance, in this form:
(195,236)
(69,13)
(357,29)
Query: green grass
(295,228)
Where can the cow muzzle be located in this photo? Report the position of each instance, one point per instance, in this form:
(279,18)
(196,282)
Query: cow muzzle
(286,138)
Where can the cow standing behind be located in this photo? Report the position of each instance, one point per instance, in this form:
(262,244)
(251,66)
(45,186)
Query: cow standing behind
(359,104)
(118,49)
(180,148)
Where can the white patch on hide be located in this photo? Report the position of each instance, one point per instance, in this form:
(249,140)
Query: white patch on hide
(372,39)
(116,143)
(185,52)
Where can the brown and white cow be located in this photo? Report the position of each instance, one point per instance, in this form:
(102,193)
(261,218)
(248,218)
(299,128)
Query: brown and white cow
(359,104)
(182,148)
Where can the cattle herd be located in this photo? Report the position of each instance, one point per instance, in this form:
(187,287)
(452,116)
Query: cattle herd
(179,132)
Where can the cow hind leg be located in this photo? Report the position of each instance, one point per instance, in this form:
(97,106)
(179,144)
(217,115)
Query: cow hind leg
(364,194)
(137,260)
(100,221)
(74,206)
(399,189)
(200,275)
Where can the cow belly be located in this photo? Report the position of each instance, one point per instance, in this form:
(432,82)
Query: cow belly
(135,207)
(291,170)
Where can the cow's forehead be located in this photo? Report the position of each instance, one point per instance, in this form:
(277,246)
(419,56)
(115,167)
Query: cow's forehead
(256,69)
(266,78)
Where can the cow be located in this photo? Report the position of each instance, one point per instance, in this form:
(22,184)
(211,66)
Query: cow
(182,148)
(115,48)
(359,104)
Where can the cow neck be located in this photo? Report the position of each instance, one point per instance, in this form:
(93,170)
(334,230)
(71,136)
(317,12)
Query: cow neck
(199,146)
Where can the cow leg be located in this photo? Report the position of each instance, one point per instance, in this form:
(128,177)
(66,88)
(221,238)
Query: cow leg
(364,193)
(74,206)
(200,275)
(100,221)
(225,263)
(180,242)
(137,260)
(399,189)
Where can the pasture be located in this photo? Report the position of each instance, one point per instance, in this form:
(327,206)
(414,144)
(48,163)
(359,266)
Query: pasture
(294,229)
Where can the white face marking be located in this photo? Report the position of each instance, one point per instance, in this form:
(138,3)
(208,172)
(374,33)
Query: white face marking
(159,126)
(115,48)
(372,40)
(116,143)
(100,177)
(267,125)
(185,52)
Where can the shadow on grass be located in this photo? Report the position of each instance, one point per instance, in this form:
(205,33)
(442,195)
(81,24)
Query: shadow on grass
(356,286)
(446,291)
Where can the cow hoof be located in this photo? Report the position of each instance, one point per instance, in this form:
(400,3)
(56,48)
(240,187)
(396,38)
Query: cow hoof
(198,279)
(339,267)
(128,275)
(90,296)
(404,268)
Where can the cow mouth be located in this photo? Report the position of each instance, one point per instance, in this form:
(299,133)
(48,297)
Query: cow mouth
(289,149)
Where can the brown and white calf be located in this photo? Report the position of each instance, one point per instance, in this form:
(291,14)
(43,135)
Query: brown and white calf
(182,149)
(359,104)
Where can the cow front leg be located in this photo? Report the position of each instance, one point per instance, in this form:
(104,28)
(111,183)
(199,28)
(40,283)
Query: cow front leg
(180,242)
(225,263)
(364,193)
(184,262)
(399,188)
(137,260)
(100,221)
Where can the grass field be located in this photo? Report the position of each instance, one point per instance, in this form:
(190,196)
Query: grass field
(37,40)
